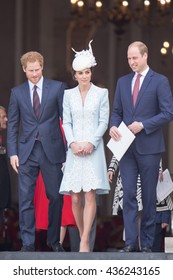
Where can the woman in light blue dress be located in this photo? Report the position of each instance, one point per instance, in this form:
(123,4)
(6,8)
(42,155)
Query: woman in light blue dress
(85,120)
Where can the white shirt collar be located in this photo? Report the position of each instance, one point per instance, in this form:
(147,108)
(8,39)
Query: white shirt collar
(144,73)
(39,84)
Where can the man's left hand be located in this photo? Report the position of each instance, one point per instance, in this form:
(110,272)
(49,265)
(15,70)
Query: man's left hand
(135,127)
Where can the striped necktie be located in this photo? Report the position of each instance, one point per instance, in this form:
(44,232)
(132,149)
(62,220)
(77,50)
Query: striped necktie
(36,102)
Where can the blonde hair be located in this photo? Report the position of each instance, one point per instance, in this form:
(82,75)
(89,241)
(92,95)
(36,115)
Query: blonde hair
(2,108)
(31,57)
(140,45)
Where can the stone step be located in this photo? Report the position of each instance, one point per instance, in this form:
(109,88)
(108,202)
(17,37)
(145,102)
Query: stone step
(168,244)
(83,256)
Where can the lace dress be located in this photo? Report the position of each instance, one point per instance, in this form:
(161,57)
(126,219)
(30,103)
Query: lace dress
(85,123)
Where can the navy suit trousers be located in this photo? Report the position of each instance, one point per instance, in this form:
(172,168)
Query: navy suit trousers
(147,166)
(52,176)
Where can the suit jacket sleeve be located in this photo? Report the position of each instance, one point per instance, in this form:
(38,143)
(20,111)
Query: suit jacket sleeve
(165,103)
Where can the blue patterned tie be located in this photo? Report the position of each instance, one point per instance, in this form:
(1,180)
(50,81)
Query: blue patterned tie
(36,102)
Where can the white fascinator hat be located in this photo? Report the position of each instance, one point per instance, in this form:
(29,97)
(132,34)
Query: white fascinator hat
(83,59)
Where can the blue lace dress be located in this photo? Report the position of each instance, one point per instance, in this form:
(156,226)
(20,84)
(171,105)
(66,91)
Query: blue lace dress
(81,123)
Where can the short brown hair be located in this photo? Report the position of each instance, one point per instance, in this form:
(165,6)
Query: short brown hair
(2,108)
(141,46)
(31,57)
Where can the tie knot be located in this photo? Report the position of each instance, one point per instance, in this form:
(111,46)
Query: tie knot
(138,76)
(35,87)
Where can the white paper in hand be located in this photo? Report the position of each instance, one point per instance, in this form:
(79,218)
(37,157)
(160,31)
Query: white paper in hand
(165,187)
(119,148)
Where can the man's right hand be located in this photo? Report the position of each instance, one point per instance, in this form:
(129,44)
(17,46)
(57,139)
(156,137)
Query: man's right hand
(114,133)
(14,160)
(110,176)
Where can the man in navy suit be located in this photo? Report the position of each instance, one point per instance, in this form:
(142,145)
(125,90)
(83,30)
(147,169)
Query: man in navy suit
(34,143)
(152,110)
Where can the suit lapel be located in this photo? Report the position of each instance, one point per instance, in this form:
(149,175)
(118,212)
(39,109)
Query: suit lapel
(26,94)
(129,89)
(145,83)
(45,91)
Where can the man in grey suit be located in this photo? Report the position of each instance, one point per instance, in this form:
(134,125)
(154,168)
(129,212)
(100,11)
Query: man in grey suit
(34,142)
